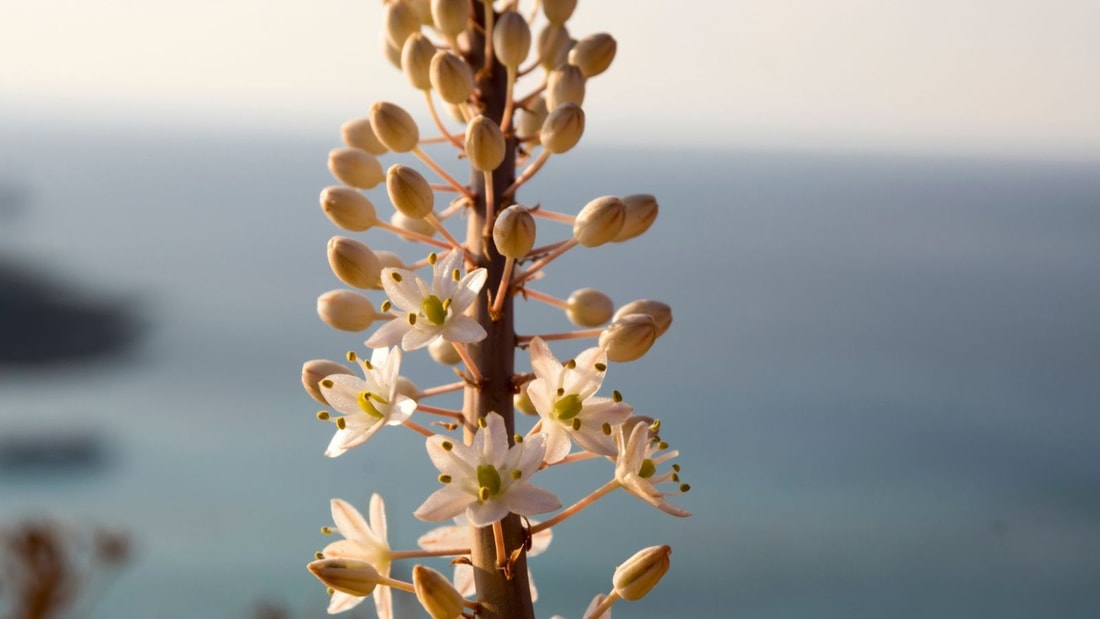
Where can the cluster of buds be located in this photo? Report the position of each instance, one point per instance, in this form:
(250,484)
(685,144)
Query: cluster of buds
(459,303)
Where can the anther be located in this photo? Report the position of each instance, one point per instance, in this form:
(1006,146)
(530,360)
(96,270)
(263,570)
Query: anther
(432,258)
(411,318)
(561,391)
(444,479)
(456,275)
(516,474)
(481,423)
(351,356)
(655,427)
(318,555)
(571,364)
(447,445)
(341,423)
(662,445)
(326,531)
(676,467)
(395,276)
(322,415)
(685,487)
(386,305)
(330,591)
(606,428)
(617,396)
(576,424)
(327,383)
(675,478)
(483,493)
(367,364)
(517,439)
(601,367)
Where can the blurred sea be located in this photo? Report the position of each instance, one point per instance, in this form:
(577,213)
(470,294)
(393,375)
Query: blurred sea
(883,375)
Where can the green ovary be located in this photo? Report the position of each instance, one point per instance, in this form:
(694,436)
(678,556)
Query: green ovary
(568,407)
(433,310)
(365,405)
(647,469)
(489,478)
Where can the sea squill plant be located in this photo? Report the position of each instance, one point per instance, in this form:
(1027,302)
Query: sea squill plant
(459,303)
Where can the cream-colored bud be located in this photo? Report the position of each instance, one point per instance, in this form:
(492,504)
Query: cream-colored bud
(564,85)
(423,11)
(355,167)
(401,20)
(641,572)
(553,45)
(348,208)
(345,310)
(455,112)
(514,232)
(436,594)
(529,120)
(316,370)
(419,226)
(599,221)
(589,307)
(416,61)
(629,337)
(661,312)
(357,578)
(522,402)
(443,352)
(409,191)
(593,54)
(389,259)
(563,128)
(511,39)
(450,16)
(354,263)
(394,127)
(392,54)
(358,133)
(558,11)
(451,77)
(407,388)
(641,212)
(484,144)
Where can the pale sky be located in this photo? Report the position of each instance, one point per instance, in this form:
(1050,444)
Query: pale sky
(1011,76)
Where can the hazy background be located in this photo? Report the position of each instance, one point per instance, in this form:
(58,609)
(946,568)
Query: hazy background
(878,234)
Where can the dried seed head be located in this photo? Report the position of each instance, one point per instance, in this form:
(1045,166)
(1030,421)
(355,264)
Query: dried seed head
(389,260)
(589,307)
(660,312)
(348,208)
(450,16)
(629,337)
(394,127)
(416,61)
(593,54)
(484,144)
(345,310)
(514,232)
(553,45)
(355,167)
(436,594)
(529,120)
(354,263)
(511,39)
(357,578)
(316,370)
(558,11)
(392,54)
(401,20)
(641,572)
(357,133)
(419,226)
(641,212)
(451,77)
(564,85)
(563,128)
(409,191)
(523,402)
(599,221)
(443,352)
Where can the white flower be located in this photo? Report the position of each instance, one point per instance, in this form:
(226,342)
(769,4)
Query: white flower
(366,405)
(364,542)
(636,467)
(592,606)
(487,479)
(431,312)
(563,395)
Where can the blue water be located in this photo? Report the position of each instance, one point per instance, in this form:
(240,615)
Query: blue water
(883,375)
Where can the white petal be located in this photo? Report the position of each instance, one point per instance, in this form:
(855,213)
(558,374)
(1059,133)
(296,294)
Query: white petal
(443,283)
(543,362)
(485,514)
(378,517)
(528,499)
(389,334)
(443,504)
(585,380)
(464,579)
(531,584)
(340,602)
(344,393)
(419,337)
(351,523)
(541,392)
(404,294)
(459,462)
(383,602)
(598,411)
(531,453)
(467,290)
(463,329)
(557,441)
(387,369)
(596,601)
(401,410)
(591,438)
(540,541)
(494,448)
(450,536)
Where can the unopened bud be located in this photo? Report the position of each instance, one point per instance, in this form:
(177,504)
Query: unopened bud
(629,337)
(455,112)
(661,313)
(511,39)
(409,191)
(522,402)
(564,85)
(641,212)
(443,352)
(392,54)
(401,20)
(589,307)
(558,11)
(416,61)
(419,226)
(394,127)
(436,594)
(357,133)
(316,370)
(599,221)
(593,54)
(529,120)
(563,128)
(484,143)
(355,167)
(354,263)
(389,260)
(357,578)
(514,232)
(553,44)
(423,11)
(345,310)
(348,208)
(407,388)
(451,77)
(594,605)
(450,16)
(640,573)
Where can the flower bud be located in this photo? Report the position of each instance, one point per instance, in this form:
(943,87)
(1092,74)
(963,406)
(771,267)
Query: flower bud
(593,54)
(407,388)
(529,120)
(357,133)
(629,337)
(355,167)
(594,605)
(484,144)
(389,260)
(443,352)
(423,11)
(661,313)
(511,39)
(416,61)
(354,263)
(436,594)
(345,310)
(450,16)
(641,212)
(599,221)
(316,370)
(394,127)
(640,573)
(514,232)
(589,307)
(558,11)
(392,54)
(419,226)
(522,402)
(564,85)
(401,20)
(553,44)
(357,578)
(455,112)
(409,191)
(348,208)
(563,128)
(451,77)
